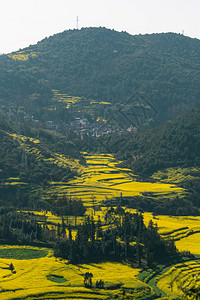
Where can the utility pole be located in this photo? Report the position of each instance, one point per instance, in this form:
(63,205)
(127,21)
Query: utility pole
(77,23)
(24,163)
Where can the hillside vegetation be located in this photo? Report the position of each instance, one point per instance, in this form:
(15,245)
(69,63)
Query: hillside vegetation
(103,64)
(89,169)
(28,162)
(174,144)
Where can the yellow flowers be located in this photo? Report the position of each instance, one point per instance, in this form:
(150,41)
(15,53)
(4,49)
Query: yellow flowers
(64,98)
(183,229)
(32,278)
(182,274)
(22,55)
(103,178)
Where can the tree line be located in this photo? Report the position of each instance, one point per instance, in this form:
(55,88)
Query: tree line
(127,239)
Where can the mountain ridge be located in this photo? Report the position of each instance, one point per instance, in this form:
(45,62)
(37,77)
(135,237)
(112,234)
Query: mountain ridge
(107,65)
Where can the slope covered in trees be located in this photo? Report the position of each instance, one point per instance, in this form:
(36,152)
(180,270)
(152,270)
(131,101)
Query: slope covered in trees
(29,158)
(168,153)
(104,65)
(174,144)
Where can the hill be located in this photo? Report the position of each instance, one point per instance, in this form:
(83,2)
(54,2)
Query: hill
(174,144)
(168,153)
(29,159)
(105,65)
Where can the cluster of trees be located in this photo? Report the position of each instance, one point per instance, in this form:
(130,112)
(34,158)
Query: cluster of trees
(128,239)
(16,228)
(66,206)
(28,228)
(88,281)
(172,204)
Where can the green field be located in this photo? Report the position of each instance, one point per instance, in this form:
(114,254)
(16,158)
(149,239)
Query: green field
(15,252)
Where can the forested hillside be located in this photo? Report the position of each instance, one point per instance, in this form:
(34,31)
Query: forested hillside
(29,159)
(104,65)
(168,153)
(100,161)
(174,144)
(99,75)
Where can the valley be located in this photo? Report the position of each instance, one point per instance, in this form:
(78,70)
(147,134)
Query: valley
(100,167)
(56,278)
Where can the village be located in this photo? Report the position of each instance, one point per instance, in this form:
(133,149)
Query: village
(82,127)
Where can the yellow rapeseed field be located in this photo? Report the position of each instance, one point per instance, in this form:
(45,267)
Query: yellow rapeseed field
(22,55)
(64,98)
(180,275)
(185,230)
(102,178)
(42,276)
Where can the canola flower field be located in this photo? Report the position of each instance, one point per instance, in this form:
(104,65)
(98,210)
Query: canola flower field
(167,280)
(182,274)
(64,98)
(44,277)
(99,180)
(49,278)
(66,101)
(102,179)
(185,230)
(39,275)
(22,55)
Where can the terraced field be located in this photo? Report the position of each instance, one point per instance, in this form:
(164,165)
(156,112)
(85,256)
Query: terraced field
(39,275)
(65,99)
(50,278)
(33,147)
(102,178)
(167,282)
(180,275)
(184,230)
(88,106)
(162,281)
(99,180)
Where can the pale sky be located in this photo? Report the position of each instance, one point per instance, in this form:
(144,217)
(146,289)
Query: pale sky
(25,22)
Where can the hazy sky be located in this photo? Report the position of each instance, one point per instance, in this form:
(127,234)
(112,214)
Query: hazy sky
(24,22)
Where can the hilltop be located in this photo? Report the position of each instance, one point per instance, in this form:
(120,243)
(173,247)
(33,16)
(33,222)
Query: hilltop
(104,65)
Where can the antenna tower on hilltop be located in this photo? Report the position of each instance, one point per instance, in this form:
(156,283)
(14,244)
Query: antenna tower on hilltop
(77,25)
